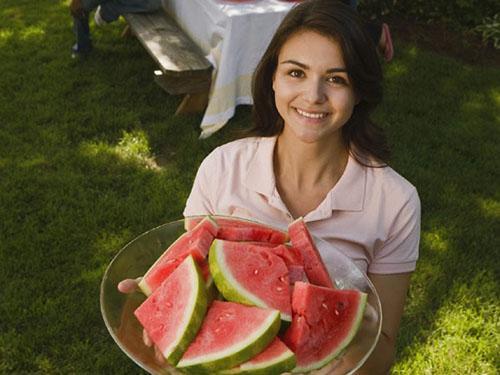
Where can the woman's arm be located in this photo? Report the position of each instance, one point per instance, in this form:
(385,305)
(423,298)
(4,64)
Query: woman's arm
(392,290)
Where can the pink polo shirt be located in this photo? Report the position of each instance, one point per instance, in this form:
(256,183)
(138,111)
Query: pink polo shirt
(372,215)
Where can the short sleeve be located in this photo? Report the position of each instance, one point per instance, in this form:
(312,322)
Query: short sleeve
(201,199)
(399,253)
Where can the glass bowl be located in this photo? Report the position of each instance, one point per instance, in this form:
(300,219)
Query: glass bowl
(135,258)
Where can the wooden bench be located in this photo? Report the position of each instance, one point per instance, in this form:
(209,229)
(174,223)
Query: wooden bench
(183,69)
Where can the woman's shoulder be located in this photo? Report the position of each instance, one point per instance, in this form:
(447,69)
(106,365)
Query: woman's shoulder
(393,183)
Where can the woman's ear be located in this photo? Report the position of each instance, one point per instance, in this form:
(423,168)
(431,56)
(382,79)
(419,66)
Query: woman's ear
(274,80)
(357,98)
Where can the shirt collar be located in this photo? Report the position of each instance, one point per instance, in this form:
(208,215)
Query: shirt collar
(349,192)
(347,195)
(260,175)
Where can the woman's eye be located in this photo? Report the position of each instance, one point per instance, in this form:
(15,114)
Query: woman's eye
(337,80)
(296,73)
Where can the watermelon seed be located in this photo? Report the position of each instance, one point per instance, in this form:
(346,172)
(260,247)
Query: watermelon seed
(168,304)
(255,272)
(336,312)
(324,305)
(279,289)
(340,305)
(282,279)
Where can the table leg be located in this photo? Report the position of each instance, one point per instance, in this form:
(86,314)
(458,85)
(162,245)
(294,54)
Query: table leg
(193,103)
(127,32)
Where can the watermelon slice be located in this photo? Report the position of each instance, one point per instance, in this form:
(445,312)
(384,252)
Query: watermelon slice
(224,342)
(290,255)
(313,265)
(324,322)
(251,275)
(196,243)
(173,313)
(274,360)
(233,229)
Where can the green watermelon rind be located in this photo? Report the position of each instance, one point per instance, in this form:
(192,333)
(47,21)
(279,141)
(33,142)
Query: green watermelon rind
(229,287)
(197,308)
(284,363)
(143,285)
(244,351)
(342,346)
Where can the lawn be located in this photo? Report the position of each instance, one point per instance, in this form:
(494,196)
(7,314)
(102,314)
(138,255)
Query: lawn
(91,156)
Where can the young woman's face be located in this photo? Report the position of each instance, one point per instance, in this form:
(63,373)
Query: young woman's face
(312,90)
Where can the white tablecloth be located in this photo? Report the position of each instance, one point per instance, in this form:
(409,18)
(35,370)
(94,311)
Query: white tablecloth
(234,37)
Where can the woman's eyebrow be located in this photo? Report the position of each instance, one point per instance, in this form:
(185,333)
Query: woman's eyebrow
(305,67)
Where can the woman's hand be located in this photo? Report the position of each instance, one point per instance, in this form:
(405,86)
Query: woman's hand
(129,286)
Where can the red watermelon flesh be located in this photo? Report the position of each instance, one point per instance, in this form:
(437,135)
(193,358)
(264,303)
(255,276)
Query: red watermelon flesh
(313,264)
(259,273)
(235,229)
(196,243)
(324,322)
(173,313)
(229,325)
(289,254)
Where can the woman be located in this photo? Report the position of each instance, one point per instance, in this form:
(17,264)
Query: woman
(315,153)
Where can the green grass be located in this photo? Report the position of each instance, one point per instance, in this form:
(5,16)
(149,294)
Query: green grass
(79,141)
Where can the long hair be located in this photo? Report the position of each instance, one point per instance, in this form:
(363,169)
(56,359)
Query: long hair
(333,19)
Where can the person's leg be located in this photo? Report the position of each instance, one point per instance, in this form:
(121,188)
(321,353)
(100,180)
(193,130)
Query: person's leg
(81,27)
(111,10)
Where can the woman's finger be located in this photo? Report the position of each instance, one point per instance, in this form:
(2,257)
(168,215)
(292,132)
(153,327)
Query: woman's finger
(159,356)
(128,286)
(146,338)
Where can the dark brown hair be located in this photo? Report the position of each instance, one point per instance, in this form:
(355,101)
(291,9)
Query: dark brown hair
(333,19)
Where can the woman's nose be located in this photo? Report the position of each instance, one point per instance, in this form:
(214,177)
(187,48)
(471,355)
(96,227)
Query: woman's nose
(314,91)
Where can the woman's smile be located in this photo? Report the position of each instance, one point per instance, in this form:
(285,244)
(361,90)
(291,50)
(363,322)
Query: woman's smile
(311,114)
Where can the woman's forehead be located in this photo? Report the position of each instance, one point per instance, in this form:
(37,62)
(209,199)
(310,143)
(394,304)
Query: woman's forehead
(312,49)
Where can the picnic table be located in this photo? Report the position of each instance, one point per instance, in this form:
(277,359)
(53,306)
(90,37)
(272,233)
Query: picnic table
(225,41)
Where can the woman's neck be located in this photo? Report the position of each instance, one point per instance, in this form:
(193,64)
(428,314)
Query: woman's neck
(308,165)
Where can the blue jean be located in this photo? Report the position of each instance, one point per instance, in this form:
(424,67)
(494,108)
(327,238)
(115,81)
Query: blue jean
(110,11)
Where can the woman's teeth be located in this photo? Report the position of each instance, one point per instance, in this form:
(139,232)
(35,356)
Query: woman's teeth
(311,115)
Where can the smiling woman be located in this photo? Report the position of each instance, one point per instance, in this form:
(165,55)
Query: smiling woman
(315,153)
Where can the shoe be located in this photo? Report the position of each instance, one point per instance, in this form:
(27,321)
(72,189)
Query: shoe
(99,21)
(79,52)
(388,48)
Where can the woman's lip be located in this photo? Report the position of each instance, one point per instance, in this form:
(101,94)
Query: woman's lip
(315,115)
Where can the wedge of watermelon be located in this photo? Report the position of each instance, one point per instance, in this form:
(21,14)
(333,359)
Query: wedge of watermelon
(251,275)
(290,255)
(324,322)
(274,360)
(313,264)
(224,341)
(233,229)
(196,243)
(173,313)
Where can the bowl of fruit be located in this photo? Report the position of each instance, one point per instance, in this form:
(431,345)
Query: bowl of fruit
(225,295)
